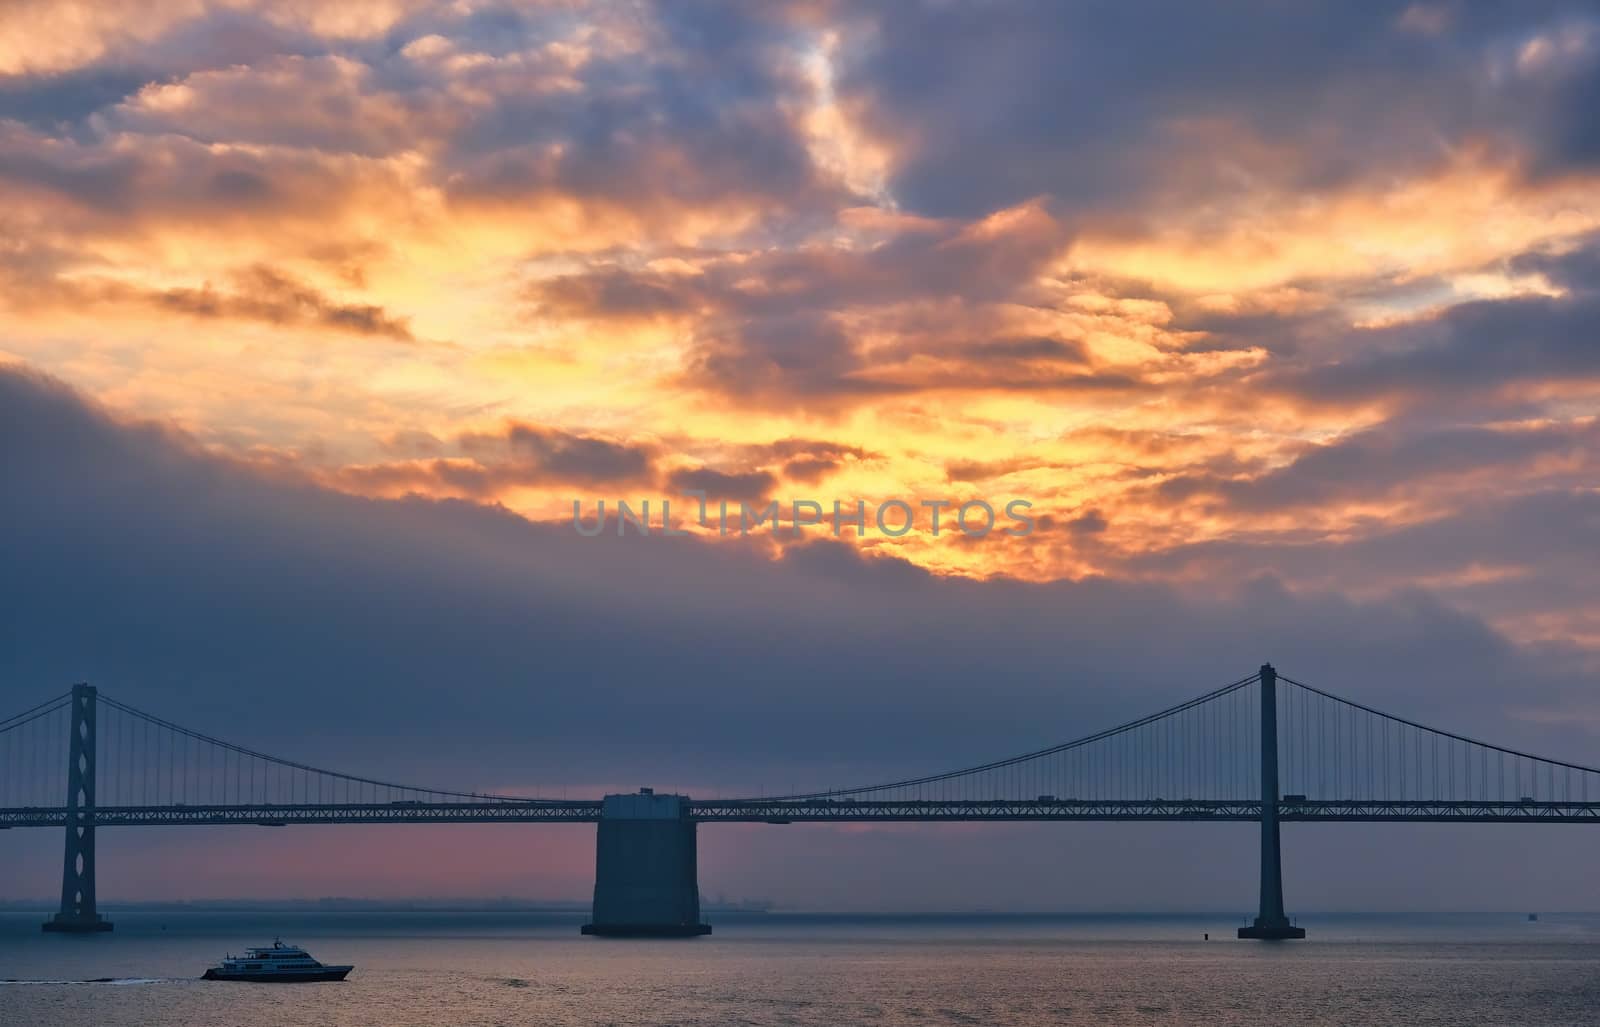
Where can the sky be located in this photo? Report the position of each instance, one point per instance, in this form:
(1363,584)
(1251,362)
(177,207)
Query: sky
(317,320)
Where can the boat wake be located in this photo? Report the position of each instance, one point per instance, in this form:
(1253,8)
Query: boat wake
(95,980)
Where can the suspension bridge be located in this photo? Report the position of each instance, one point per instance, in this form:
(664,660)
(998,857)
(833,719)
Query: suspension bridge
(1264,749)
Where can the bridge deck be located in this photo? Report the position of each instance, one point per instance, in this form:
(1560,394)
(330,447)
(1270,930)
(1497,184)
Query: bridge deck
(818,811)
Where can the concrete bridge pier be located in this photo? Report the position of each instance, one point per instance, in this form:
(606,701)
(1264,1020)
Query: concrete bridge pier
(1271,924)
(645,883)
(78,914)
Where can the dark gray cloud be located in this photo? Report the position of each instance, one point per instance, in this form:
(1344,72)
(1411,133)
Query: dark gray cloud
(609,293)
(809,470)
(161,573)
(215,38)
(483,464)
(257,293)
(981,470)
(429,477)
(1388,462)
(264,294)
(1090,522)
(102,181)
(912,263)
(1507,554)
(1101,105)
(804,353)
(577,457)
(520,454)
(807,461)
(746,486)
(1068,351)
(787,449)
(1104,109)
(61,100)
(1468,352)
(704,115)
(770,325)
(699,112)
(121,181)
(1576,268)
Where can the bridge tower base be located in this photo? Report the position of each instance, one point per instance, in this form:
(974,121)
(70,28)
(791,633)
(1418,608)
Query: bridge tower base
(78,915)
(645,883)
(1271,924)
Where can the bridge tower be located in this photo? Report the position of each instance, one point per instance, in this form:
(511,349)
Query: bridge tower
(645,872)
(1271,924)
(78,915)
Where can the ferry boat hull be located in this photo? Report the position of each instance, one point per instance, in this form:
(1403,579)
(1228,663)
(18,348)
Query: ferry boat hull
(275,964)
(324,973)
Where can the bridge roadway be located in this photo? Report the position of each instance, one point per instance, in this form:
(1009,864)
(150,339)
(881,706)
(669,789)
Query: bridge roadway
(821,811)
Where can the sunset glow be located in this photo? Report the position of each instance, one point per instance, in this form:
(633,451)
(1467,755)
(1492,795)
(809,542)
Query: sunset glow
(592,250)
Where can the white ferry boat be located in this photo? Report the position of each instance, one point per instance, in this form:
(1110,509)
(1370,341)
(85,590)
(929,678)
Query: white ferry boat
(274,964)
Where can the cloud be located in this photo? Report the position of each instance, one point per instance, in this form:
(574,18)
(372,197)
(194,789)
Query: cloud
(42,38)
(1107,108)
(644,117)
(207,571)
(609,293)
(802,460)
(787,325)
(750,486)
(809,470)
(474,649)
(65,98)
(256,294)
(1468,352)
(581,124)
(328,102)
(489,464)
(1090,522)
(577,457)
(1374,466)
(978,470)
(127,182)
(1233,308)
(1574,267)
